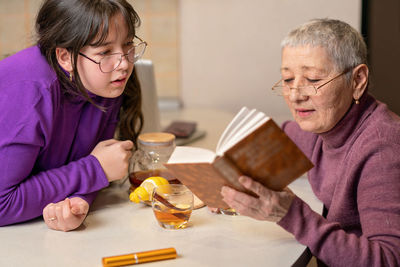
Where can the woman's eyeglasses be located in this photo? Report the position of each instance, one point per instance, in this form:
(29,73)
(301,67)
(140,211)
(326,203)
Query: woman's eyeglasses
(282,89)
(111,62)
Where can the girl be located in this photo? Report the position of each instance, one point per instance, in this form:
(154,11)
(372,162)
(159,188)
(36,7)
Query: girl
(60,104)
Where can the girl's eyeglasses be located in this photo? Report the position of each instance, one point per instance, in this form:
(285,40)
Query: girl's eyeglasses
(111,62)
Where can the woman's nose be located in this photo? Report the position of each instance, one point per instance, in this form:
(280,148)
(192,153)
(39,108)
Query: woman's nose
(296,95)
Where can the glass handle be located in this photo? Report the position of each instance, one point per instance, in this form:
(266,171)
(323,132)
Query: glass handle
(137,155)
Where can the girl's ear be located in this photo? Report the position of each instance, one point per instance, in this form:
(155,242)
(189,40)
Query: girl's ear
(360,80)
(64,59)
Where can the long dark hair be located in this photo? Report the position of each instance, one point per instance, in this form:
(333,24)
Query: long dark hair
(73,24)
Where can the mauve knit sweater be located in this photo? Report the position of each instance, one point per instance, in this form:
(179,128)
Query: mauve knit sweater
(357,177)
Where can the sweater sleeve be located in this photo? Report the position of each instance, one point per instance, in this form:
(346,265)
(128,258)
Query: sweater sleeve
(26,187)
(106,133)
(378,202)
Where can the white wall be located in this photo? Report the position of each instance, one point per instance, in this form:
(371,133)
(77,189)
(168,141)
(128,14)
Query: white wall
(230,49)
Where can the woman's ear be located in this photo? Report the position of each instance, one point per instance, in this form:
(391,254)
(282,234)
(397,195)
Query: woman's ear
(360,80)
(64,59)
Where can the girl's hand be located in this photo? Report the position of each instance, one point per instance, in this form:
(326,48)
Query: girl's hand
(270,205)
(114,156)
(66,215)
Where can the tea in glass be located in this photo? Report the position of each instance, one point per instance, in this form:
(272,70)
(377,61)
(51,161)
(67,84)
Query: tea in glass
(172,205)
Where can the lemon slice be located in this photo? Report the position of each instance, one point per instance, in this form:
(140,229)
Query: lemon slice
(138,194)
(183,206)
(145,190)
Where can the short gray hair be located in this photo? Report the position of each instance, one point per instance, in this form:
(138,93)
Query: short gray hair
(342,42)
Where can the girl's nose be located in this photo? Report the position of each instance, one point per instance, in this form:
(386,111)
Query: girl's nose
(124,62)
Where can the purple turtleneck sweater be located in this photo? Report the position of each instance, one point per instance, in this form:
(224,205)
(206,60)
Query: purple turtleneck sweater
(357,177)
(46,137)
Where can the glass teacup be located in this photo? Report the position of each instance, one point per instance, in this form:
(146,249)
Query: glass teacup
(172,205)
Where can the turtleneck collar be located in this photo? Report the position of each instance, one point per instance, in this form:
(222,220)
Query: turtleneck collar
(345,128)
(77,97)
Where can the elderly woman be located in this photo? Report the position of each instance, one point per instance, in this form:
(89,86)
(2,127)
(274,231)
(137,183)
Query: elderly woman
(353,141)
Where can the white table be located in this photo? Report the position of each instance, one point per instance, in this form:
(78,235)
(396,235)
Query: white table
(116,226)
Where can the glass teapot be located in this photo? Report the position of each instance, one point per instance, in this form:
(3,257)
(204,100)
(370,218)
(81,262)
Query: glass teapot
(154,149)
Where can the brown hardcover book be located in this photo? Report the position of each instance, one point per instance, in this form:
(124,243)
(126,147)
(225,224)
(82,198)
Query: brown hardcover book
(266,154)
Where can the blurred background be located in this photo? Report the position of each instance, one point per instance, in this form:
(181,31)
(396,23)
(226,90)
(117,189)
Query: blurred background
(226,54)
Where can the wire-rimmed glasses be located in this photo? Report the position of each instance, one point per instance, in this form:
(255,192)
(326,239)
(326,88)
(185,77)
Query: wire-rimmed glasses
(111,62)
(282,89)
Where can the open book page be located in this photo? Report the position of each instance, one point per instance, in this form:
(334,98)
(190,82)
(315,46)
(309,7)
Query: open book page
(235,124)
(246,126)
(185,154)
(240,125)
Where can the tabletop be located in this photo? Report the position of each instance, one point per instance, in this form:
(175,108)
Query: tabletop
(117,226)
